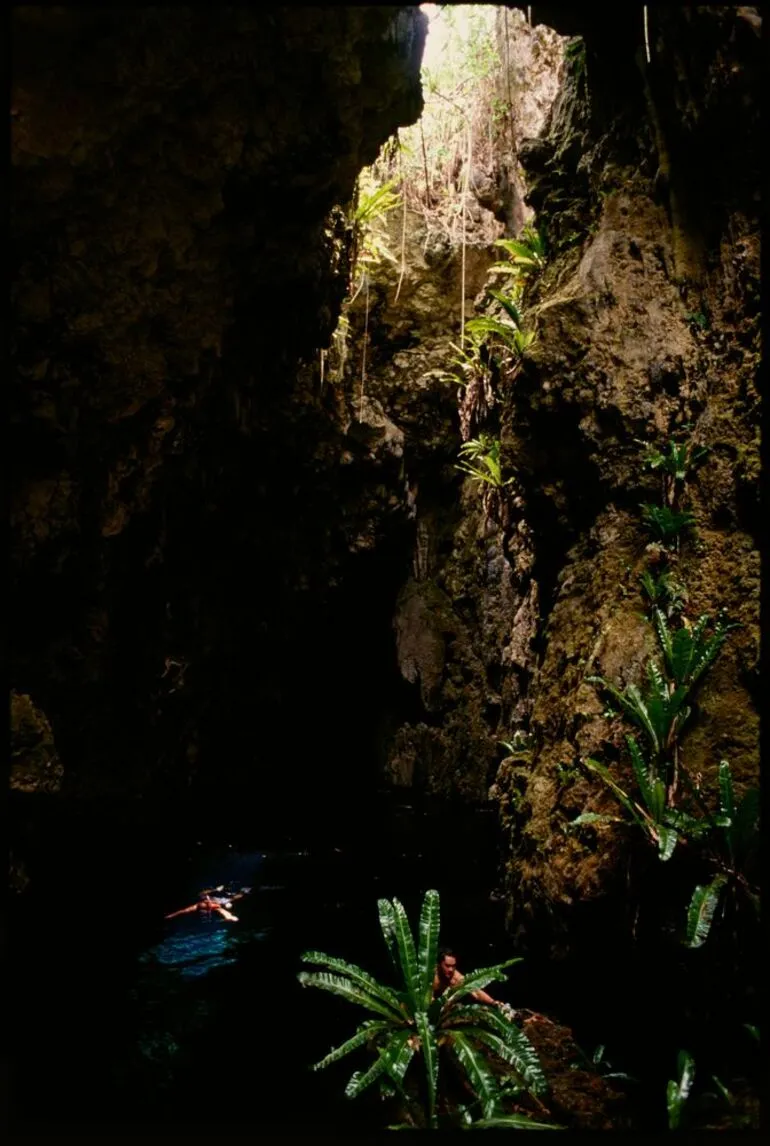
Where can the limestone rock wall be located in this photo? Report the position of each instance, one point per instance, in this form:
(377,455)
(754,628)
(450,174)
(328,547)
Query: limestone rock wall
(647,321)
(174,260)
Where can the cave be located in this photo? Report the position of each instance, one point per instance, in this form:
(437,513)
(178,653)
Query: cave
(384,417)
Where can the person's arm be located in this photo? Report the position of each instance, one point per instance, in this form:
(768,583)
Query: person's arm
(183,911)
(483,997)
(480,996)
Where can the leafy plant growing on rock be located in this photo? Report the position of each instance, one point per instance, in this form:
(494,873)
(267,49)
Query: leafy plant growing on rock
(666,525)
(481,461)
(663,592)
(734,840)
(411,1024)
(526,254)
(675,462)
(373,203)
(660,713)
(469,364)
(512,337)
(678,1090)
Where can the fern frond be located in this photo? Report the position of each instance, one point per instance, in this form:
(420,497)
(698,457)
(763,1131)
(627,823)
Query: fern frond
(700,913)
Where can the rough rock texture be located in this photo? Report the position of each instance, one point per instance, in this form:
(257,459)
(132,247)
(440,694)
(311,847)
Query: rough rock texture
(465,615)
(579,1098)
(36,772)
(35,766)
(647,321)
(531,56)
(174,259)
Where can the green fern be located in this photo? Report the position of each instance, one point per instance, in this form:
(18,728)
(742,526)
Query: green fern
(663,592)
(676,460)
(688,652)
(700,913)
(528,251)
(658,713)
(375,204)
(649,814)
(508,304)
(665,524)
(480,460)
(411,1024)
(678,1090)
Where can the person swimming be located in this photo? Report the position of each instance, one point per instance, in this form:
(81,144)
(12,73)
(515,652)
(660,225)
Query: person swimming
(224,897)
(209,903)
(205,906)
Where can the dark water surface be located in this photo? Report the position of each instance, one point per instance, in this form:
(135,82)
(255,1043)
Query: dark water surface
(128,1018)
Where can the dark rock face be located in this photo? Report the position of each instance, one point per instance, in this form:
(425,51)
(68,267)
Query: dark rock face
(174,260)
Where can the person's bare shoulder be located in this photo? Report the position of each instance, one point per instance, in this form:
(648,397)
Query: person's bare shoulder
(457,978)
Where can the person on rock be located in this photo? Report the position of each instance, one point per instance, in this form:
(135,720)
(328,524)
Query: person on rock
(447,975)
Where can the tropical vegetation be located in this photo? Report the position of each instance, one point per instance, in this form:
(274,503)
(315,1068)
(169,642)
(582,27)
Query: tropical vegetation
(455,1042)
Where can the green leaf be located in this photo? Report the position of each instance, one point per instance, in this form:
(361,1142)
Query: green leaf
(430,1056)
(524,254)
(726,793)
(657,792)
(359,1081)
(358,976)
(388,928)
(506,268)
(397,1055)
(664,636)
(346,990)
(603,772)
(595,818)
(687,825)
(523,340)
(427,956)
(364,1034)
(678,1092)
(508,305)
(479,1075)
(407,955)
(513,1122)
(667,841)
(641,772)
(700,913)
(519,1053)
(723,1091)
(642,713)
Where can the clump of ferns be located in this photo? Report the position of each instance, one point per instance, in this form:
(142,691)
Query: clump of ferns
(667,804)
(669,521)
(372,204)
(526,255)
(663,591)
(660,710)
(483,337)
(468,364)
(730,846)
(480,460)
